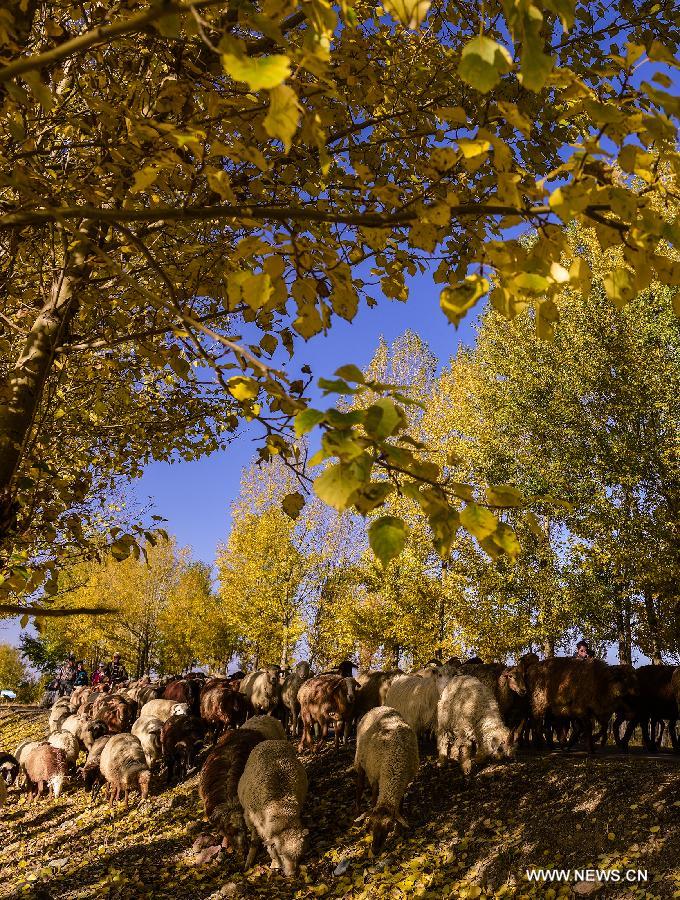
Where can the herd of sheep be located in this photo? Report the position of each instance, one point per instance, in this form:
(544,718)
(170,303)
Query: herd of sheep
(242,729)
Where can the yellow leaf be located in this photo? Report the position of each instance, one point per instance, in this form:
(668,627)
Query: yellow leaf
(260,72)
(471,148)
(459,298)
(283,117)
(478,520)
(243,388)
(252,289)
(409,13)
(619,286)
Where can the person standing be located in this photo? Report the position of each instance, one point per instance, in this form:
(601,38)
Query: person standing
(115,671)
(82,677)
(67,675)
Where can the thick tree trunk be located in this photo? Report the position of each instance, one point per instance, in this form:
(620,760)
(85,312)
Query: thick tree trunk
(549,648)
(24,385)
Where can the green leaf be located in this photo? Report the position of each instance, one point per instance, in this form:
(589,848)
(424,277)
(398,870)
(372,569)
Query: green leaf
(336,485)
(387,537)
(292,504)
(121,548)
(483,62)
(350,373)
(306,420)
(383,419)
(505,538)
(478,521)
(535,68)
(374,495)
(260,72)
(283,117)
(504,495)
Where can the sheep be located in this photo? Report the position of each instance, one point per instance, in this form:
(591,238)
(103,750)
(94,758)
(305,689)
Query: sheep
(270,728)
(163,709)
(272,791)
(92,731)
(124,767)
(45,766)
(262,688)
(148,730)
(90,772)
(373,687)
(184,691)
(324,699)
(580,690)
(9,768)
(58,714)
(415,698)
(289,695)
(74,724)
(468,717)
(386,756)
(222,707)
(509,688)
(67,742)
(116,710)
(142,693)
(22,753)
(218,783)
(181,739)
(3,793)
(80,696)
(657,701)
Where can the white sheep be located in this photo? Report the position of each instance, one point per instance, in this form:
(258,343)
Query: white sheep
(74,723)
(386,756)
(124,767)
(468,718)
(268,726)
(58,714)
(68,742)
(21,754)
(272,791)
(415,699)
(262,688)
(148,730)
(163,709)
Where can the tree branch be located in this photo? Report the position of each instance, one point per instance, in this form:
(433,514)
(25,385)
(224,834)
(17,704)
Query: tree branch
(265,213)
(15,609)
(104,34)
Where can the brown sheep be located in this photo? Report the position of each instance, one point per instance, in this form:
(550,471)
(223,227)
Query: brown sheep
(218,784)
(324,699)
(373,687)
(181,739)
(184,691)
(656,704)
(116,711)
(45,766)
(222,707)
(577,690)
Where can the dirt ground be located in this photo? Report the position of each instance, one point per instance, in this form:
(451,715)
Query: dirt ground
(466,838)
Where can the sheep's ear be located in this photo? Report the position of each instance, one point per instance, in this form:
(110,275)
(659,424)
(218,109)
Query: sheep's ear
(305,832)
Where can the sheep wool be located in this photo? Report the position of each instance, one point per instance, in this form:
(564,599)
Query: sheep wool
(272,791)
(269,727)
(386,756)
(467,717)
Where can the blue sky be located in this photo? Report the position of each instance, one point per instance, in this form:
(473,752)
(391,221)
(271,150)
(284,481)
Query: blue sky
(195,496)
